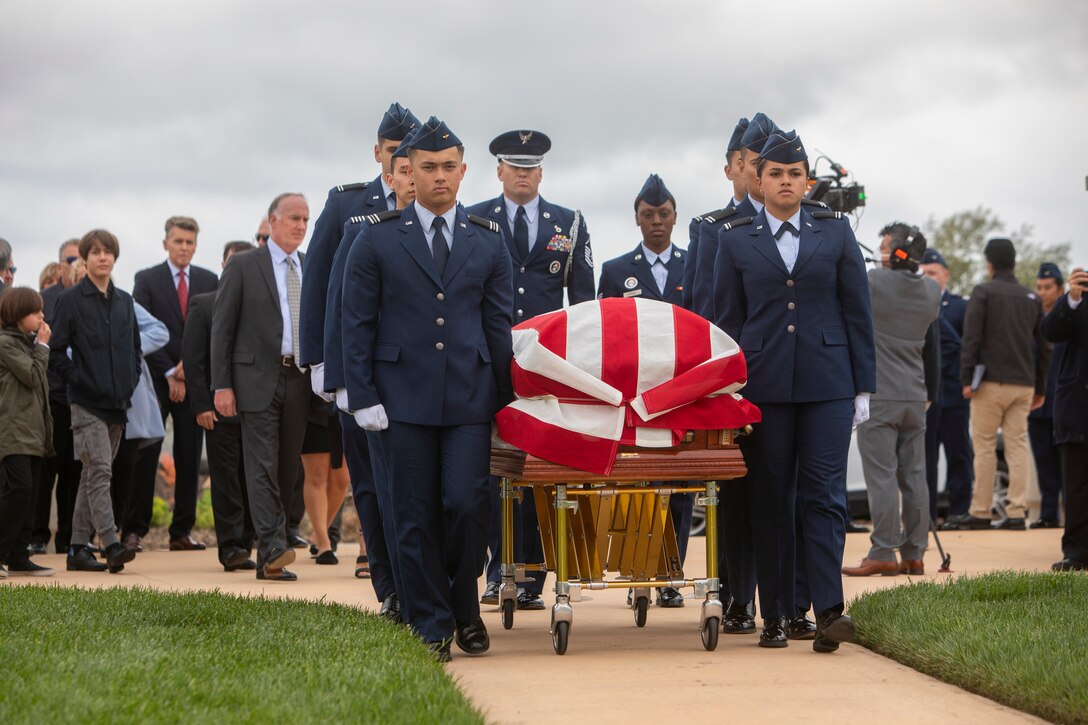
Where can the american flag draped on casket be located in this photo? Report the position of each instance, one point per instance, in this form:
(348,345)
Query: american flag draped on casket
(620,371)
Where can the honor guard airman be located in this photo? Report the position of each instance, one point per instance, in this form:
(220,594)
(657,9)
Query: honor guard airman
(428,335)
(655,270)
(790,288)
(343,203)
(549,250)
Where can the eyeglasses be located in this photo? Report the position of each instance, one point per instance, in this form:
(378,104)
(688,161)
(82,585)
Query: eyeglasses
(69,260)
(261,238)
(13,269)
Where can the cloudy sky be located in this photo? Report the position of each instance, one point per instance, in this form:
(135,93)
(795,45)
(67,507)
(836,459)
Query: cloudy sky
(120,114)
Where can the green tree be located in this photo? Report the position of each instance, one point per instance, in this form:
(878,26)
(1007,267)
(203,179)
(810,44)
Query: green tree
(962,236)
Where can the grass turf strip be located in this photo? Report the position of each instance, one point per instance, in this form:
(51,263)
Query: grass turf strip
(1018,638)
(135,655)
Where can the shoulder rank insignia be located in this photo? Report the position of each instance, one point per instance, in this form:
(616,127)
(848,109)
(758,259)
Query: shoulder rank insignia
(352,187)
(813,202)
(737,223)
(716,216)
(382,216)
(357,219)
(484,222)
(828,215)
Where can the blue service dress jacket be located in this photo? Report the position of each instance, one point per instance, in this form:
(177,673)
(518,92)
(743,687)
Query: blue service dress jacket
(433,350)
(807,335)
(629,275)
(538,279)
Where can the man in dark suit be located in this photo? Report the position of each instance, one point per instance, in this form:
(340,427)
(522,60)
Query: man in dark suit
(164,291)
(233,526)
(790,287)
(549,249)
(655,270)
(429,336)
(343,203)
(255,374)
(1068,323)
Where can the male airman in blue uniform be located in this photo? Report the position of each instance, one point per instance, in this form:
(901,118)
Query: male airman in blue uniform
(654,270)
(549,251)
(343,203)
(428,334)
(790,287)
(1049,287)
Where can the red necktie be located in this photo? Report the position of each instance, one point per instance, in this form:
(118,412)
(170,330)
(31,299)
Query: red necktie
(183,295)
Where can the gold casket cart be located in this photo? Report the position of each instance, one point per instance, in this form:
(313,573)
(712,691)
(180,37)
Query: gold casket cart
(620,524)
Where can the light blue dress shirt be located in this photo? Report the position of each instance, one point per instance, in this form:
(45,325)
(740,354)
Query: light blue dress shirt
(279,270)
(659,271)
(790,242)
(386,191)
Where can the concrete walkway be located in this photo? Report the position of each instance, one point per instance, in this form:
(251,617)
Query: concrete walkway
(616,672)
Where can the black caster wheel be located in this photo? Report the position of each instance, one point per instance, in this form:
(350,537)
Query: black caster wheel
(709,632)
(641,605)
(560,633)
(508,614)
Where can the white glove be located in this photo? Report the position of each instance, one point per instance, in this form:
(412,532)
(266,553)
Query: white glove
(342,400)
(372,418)
(317,382)
(861,408)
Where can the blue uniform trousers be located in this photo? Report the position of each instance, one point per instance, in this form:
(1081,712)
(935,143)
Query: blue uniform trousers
(950,427)
(736,555)
(1048,465)
(438,478)
(796,473)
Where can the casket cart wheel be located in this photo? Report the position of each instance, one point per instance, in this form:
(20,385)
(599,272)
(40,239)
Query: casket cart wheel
(708,630)
(560,633)
(641,605)
(508,614)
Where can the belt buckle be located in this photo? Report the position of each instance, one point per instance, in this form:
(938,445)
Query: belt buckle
(287,361)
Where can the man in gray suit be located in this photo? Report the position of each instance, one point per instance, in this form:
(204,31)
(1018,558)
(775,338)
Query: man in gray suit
(255,374)
(892,442)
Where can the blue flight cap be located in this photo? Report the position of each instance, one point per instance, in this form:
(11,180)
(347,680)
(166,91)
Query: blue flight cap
(784,147)
(654,192)
(1049,270)
(402,150)
(434,135)
(759,130)
(397,123)
(524,149)
(738,133)
(932,256)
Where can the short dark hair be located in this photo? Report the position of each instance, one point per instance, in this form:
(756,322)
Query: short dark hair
(65,243)
(910,240)
(236,248)
(732,156)
(18,302)
(5,254)
(102,238)
(1000,253)
(275,205)
(182,222)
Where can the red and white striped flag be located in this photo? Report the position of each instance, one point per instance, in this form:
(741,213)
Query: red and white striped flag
(620,371)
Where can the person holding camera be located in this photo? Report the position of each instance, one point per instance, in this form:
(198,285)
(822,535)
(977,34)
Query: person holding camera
(1068,323)
(892,442)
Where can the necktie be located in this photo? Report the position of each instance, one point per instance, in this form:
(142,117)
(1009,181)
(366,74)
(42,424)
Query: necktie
(439,248)
(786,227)
(521,233)
(294,294)
(661,275)
(183,294)
(391,200)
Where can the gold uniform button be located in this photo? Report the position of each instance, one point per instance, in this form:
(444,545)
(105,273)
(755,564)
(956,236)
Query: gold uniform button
(789,282)
(790,328)
(440,321)
(439,346)
(441,297)
(791,306)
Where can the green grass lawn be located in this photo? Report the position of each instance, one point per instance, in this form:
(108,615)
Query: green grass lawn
(1018,638)
(135,655)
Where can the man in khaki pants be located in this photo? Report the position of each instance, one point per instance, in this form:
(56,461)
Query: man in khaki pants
(1004,376)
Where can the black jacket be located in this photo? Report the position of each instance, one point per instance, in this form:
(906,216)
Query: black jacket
(57,387)
(104,338)
(1002,319)
(1071,394)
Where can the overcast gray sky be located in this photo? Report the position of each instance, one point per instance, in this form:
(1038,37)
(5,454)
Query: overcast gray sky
(121,114)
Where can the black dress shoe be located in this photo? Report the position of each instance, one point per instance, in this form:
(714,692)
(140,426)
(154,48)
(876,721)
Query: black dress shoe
(232,557)
(247,565)
(295,541)
(831,629)
(1016,524)
(1069,565)
(739,618)
(390,609)
(773,633)
(277,558)
(80,558)
(669,598)
(440,650)
(37,547)
(117,555)
(491,594)
(327,558)
(1041,523)
(472,638)
(966,522)
(529,600)
(800,627)
(281,574)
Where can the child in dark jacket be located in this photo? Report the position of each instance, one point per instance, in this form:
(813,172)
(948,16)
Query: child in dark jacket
(26,422)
